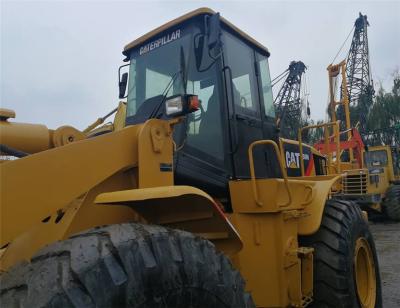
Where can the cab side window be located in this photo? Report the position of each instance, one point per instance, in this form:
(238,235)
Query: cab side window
(240,59)
(266,87)
(204,131)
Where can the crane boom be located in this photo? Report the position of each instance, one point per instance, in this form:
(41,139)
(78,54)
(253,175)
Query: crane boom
(359,81)
(288,102)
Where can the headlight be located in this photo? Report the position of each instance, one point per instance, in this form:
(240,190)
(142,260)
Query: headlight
(174,105)
(181,105)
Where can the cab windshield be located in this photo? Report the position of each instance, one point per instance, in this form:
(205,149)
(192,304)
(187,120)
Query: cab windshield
(375,158)
(155,69)
(167,66)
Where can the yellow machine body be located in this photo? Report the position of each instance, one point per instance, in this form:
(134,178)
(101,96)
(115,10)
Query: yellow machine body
(30,138)
(42,205)
(77,180)
(371,183)
(117,178)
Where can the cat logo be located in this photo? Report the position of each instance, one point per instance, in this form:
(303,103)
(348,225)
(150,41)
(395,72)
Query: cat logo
(293,159)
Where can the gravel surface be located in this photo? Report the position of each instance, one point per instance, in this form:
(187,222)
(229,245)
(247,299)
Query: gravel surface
(387,241)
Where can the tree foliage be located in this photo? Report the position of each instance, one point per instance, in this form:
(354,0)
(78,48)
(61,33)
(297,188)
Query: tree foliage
(383,122)
(383,116)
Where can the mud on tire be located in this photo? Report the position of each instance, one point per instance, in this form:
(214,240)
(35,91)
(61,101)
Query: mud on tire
(126,265)
(334,243)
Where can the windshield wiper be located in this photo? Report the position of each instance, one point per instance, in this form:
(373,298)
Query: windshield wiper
(183,69)
(164,95)
(182,72)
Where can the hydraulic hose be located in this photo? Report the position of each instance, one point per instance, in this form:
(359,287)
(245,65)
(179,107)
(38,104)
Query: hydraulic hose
(11,151)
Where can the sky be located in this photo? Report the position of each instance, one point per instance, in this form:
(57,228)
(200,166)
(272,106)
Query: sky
(59,59)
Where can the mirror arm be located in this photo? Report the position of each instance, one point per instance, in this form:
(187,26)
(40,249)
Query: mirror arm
(213,30)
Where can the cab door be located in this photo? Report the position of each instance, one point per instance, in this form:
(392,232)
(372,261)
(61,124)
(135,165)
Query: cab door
(246,121)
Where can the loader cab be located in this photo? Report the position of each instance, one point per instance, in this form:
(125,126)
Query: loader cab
(383,160)
(203,54)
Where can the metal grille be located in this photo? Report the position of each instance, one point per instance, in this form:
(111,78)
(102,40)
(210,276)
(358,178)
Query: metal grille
(355,183)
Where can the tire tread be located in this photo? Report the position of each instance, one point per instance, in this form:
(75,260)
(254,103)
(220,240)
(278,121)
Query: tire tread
(332,243)
(391,203)
(101,267)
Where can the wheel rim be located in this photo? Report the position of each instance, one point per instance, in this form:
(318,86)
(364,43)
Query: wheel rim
(364,268)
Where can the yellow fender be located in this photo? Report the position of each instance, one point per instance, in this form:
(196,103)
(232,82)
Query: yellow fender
(179,207)
(311,222)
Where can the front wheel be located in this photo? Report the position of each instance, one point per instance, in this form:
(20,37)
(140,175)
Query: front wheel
(126,265)
(346,271)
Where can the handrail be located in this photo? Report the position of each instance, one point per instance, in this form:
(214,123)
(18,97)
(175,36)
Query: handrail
(252,171)
(335,126)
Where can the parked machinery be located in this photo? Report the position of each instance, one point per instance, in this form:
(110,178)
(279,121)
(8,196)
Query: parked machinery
(188,204)
(370,174)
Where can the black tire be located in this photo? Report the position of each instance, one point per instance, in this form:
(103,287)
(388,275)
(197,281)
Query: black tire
(334,247)
(391,203)
(126,265)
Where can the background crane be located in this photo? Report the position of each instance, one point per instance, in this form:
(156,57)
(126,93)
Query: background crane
(289,102)
(359,81)
(361,92)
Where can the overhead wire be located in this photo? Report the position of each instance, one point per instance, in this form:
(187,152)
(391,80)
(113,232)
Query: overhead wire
(279,77)
(341,47)
(335,81)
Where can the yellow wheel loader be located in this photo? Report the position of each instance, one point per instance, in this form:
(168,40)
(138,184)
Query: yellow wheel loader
(370,175)
(382,164)
(187,203)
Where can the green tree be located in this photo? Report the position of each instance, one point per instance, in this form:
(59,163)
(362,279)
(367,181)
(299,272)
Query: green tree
(314,135)
(383,120)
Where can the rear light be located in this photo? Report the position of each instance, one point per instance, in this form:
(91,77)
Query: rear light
(194,103)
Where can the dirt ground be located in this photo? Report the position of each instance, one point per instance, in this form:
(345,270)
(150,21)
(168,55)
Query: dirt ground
(387,241)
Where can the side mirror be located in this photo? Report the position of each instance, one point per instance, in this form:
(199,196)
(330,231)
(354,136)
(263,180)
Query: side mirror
(205,42)
(122,85)
(199,50)
(214,31)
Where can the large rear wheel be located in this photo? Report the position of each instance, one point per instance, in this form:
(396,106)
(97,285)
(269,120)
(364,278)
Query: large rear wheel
(391,203)
(126,265)
(346,272)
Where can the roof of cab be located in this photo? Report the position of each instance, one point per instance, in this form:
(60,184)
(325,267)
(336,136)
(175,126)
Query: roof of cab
(200,11)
